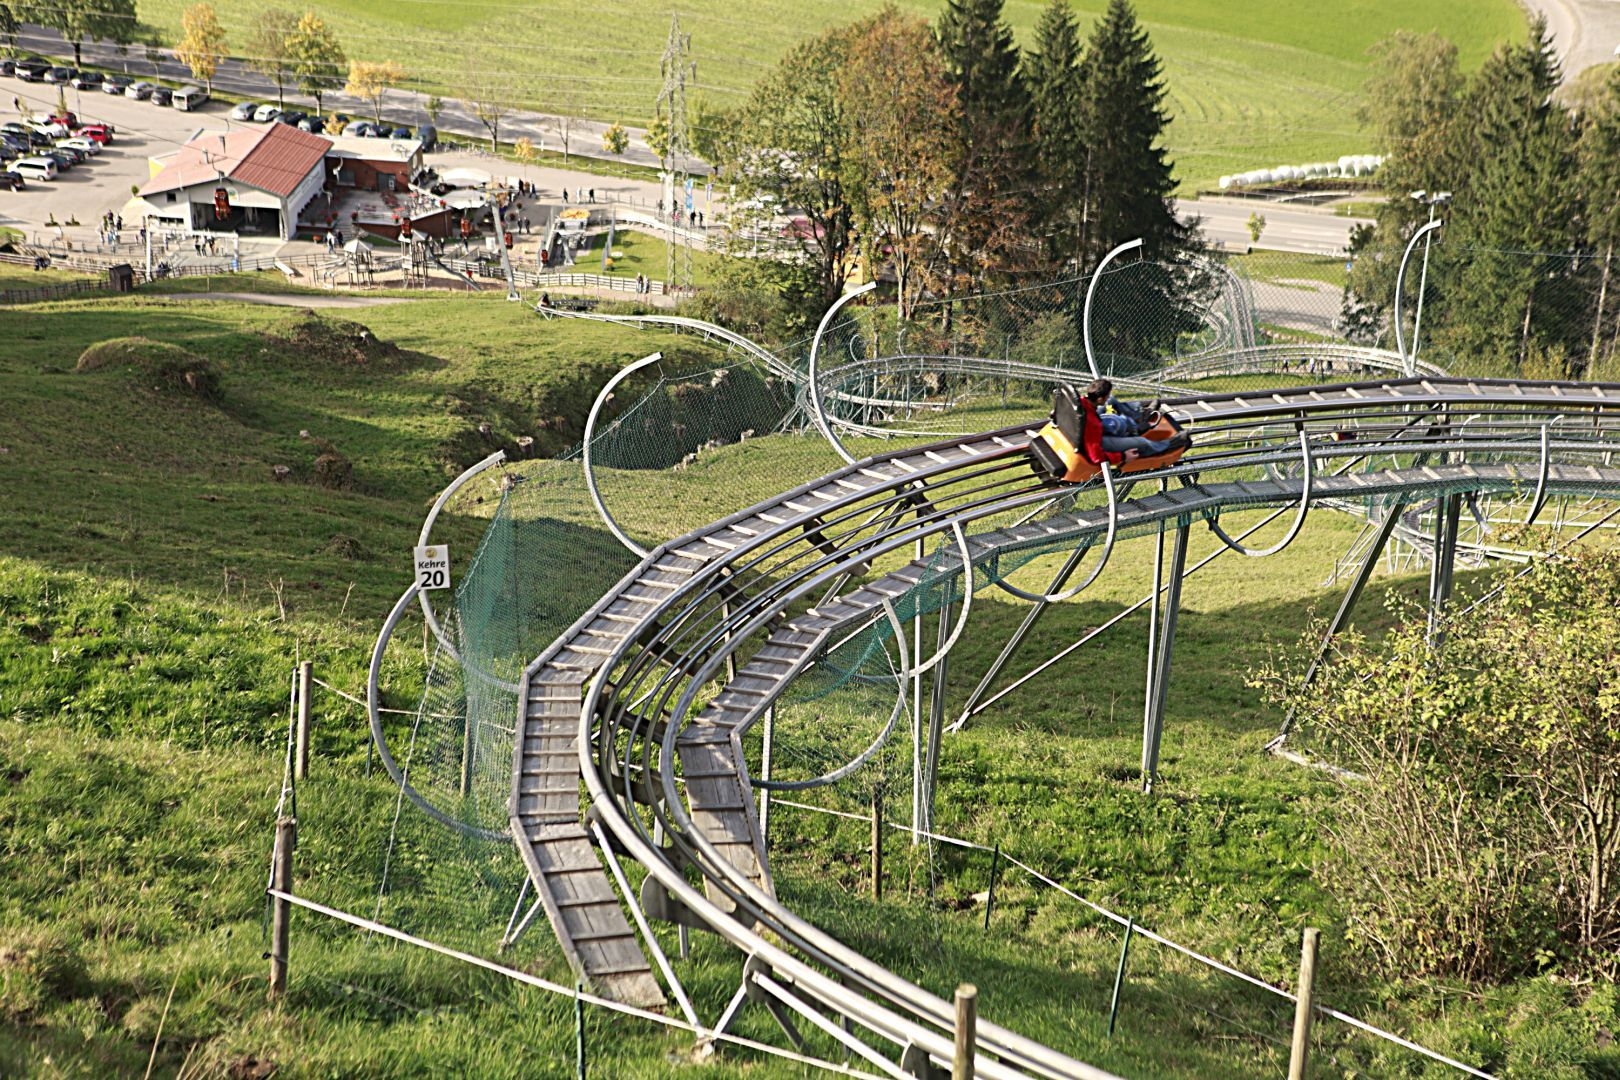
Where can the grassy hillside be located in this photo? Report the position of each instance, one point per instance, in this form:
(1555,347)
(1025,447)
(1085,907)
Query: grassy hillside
(1252,84)
(144,657)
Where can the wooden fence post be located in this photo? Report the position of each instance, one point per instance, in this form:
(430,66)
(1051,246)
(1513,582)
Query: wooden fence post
(1304,1005)
(967,1008)
(281,879)
(301,758)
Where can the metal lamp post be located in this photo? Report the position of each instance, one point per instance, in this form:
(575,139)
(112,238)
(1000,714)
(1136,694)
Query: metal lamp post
(1433,199)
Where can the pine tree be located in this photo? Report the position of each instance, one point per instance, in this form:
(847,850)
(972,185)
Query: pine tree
(1056,93)
(1128,177)
(1600,191)
(984,220)
(1520,199)
(1128,181)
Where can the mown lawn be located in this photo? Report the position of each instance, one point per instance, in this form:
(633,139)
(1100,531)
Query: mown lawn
(1252,85)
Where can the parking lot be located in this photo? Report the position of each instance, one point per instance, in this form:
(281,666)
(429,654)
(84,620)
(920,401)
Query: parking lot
(103,183)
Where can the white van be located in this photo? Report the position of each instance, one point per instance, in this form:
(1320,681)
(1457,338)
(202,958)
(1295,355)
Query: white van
(35,168)
(190,98)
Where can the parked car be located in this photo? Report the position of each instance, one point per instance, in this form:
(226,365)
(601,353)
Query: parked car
(140,91)
(66,119)
(51,129)
(190,98)
(75,156)
(86,80)
(162,95)
(355,127)
(11,181)
(291,117)
(13,127)
(313,124)
(8,67)
(60,75)
(116,84)
(28,136)
(32,69)
(65,159)
(101,133)
(243,110)
(265,113)
(400,133)
(429,136)
(14,146)
(79,142)
(36,168)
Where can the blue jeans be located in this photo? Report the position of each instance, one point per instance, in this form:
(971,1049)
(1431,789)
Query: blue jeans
(1126,418)
(1122,443)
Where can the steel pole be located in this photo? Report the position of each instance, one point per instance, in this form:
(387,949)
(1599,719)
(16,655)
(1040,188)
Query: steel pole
(1167,640)
(1408,359)
(1423,283)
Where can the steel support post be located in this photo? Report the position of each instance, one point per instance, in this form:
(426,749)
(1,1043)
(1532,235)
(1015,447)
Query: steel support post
(1447,513)
(1153,730)
(1152,639)
(936,716)
(1023,631)
(916,722)
(1341,618)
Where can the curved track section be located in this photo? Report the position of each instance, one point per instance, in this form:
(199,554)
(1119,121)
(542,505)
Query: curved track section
(637,699)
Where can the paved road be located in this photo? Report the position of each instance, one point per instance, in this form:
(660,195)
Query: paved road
(1308,231)
(1585,32)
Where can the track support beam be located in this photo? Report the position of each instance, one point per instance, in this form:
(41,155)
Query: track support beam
(1447,513)
(1153,727)
(1341,618)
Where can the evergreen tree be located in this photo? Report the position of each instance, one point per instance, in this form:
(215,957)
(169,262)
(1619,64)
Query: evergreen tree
(1600,189)
(1520,200)
(984,220)
(1056,92)
(1128,181)
(1128,177)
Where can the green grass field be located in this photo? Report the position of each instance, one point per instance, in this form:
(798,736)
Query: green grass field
(1252,85)
(158,581)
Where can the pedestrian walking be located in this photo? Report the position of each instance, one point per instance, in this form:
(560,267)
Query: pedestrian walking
(593,194)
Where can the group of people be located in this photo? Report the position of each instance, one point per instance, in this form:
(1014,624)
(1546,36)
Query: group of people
(111,225)
(581,194)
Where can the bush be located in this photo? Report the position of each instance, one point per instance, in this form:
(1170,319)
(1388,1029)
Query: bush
(1482,836)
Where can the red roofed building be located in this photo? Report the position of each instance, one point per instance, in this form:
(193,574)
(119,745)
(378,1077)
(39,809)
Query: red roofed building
(269,175)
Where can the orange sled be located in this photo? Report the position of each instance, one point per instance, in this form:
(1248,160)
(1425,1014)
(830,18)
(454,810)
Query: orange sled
(1057,451)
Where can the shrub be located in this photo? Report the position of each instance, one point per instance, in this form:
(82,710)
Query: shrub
(1482,836)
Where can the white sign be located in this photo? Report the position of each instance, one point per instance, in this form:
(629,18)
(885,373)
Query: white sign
(433,567)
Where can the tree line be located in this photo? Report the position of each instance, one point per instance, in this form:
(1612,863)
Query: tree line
(1522,278)
(947,159)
